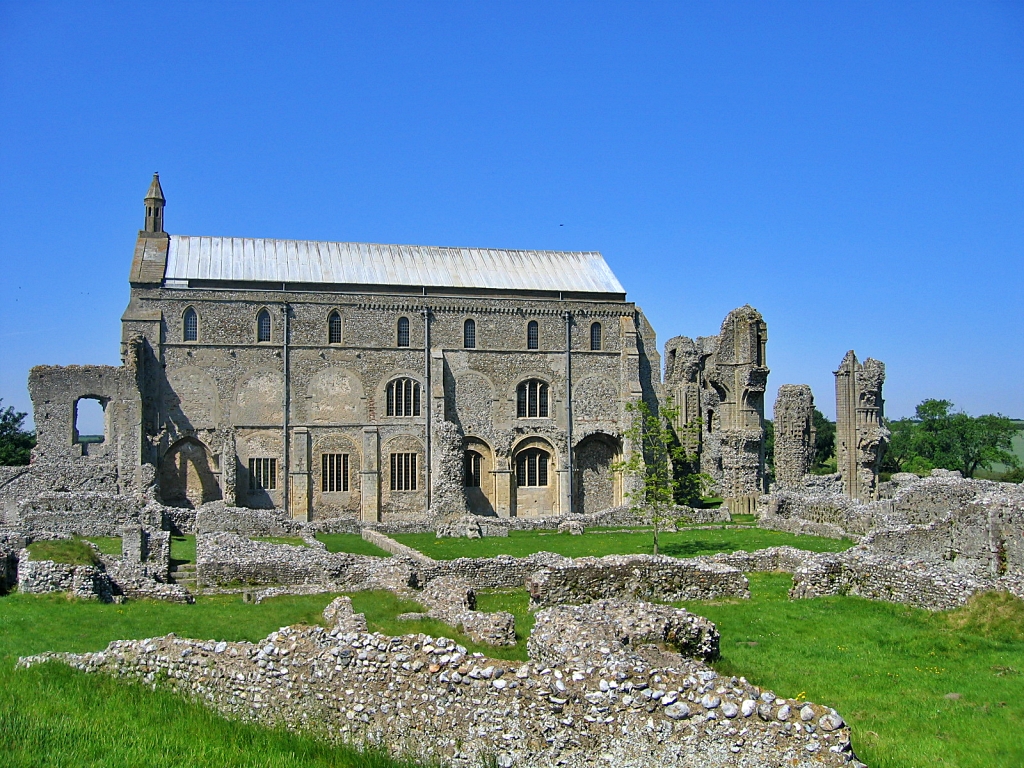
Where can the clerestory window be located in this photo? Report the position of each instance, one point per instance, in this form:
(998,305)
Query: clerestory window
(595,336)
(469,334)
(403,331)
(334,328)
(403,396)
(532,335)
(263,326)
(190,322)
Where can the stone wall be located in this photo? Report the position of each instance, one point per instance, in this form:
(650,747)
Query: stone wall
(638,577)
(453,601)
(424,698)
(861,436)
(794,434)
(501,572)
(218,517)
(87,582)
(388,544)
(86,513)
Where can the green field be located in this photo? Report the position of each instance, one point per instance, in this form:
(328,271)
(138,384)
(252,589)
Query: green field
(597,543)
(350,542)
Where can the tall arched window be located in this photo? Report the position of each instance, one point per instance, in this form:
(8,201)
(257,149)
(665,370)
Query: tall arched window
(472,469)
(532,400)
(334,328)
(532,335)
(403,397)
(532,468)
(403,331)
(190,321)
(595,336)
(469,334)
(263,326)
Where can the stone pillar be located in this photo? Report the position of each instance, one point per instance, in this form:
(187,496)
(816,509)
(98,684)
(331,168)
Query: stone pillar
(300,496)
(794,434)
(369,477)
(503,505)
(229,468)
(860,435)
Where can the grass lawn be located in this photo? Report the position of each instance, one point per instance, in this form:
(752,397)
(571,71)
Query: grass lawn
(54,716)
(892,671)
(350,542)
(598,543)
(183,549)
(108,545)
(68,551)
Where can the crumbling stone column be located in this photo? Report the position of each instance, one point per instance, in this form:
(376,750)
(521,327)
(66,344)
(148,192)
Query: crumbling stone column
(860,436)
(794,434)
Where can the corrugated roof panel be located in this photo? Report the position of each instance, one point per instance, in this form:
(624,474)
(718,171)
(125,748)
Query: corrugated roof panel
(308,261)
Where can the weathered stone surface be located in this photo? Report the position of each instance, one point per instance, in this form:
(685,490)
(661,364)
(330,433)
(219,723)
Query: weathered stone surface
(861,436)
(339,616)
(794,434)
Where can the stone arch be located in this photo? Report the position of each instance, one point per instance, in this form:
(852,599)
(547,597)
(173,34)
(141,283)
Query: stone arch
(594,398)
(597,485)
(534,500)
(335,396)
(192,400)
(480,498)
(259,399)
(188,475)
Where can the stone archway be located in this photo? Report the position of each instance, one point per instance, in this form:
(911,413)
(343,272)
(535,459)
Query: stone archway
(597,483)
(188,477)
(534,478)
(478,477)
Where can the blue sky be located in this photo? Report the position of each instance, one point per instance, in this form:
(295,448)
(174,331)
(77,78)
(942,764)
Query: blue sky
(853,170)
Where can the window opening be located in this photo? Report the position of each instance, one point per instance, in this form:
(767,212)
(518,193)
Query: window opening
(403,331)
(472,469)
(532,468)
(334,328)
(90,420)
(191,323)
(403,396)
(403,471)
(532,335)
(532,400)
(262,474)
(469,334)
(595,336)
(263,326)
(333,472)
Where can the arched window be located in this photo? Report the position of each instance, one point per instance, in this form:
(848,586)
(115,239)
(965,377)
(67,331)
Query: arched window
(532,400)
(334,328)
(532,335)
(190,323)
(469,334)
(532,468)
(472,469)
(403,397)
(263,326)
(403,331)
(595,336)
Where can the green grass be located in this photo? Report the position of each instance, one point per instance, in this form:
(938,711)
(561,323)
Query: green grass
(352,543)
(54,716)
(888,669)
(295,541)
(599,543)
(108,545)
(68,551)
(183,550)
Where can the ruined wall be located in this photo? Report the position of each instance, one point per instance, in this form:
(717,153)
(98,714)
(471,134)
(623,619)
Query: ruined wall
(860,435)
(794,434)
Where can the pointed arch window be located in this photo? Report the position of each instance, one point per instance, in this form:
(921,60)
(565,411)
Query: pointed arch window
(532,335)
(595,337)
(403,396)
(469,334)
(403,331)
(334,328)
(532,400)
(263,325)
(190,325)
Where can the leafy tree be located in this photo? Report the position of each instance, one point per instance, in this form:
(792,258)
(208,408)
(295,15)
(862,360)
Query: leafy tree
(769,451)
(16,443)
(824,443)
(902,449)
(659,464)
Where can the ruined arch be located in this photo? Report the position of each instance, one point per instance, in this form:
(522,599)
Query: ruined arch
(479,476)
(189,475)
(597,485)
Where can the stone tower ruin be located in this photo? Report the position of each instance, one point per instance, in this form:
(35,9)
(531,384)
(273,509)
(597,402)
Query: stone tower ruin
(794,434)
(861,436)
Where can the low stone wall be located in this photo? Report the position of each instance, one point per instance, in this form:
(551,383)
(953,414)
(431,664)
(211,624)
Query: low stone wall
(453,601)
(388,544)
(217,517)
(423,698)
(500,572)
(86,514)
(87,582)
(772,559)
(638,577)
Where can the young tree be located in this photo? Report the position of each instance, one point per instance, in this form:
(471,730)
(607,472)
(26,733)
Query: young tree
(660,467)
(16,443)
(824,442)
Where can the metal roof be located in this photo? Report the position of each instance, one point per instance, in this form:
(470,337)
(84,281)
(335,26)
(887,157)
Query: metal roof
(309,261)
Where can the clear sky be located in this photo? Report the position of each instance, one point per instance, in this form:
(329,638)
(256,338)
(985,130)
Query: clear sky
(854,170)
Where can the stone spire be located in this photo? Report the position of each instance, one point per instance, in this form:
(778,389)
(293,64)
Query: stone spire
(155,206)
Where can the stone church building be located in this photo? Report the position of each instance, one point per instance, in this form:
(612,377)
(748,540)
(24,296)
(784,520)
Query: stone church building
(388,383)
